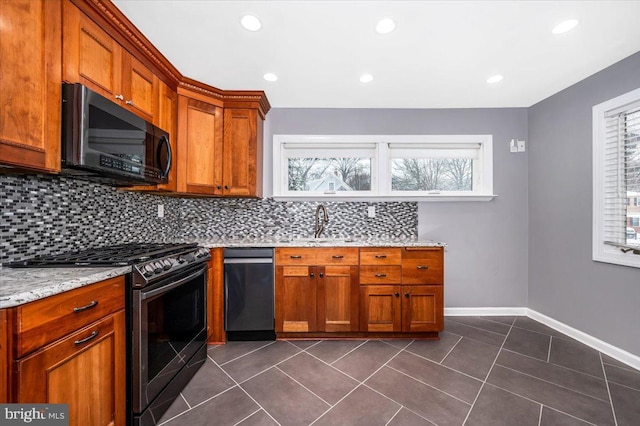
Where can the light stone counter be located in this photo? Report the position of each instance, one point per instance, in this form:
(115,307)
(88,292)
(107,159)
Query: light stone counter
(23,285)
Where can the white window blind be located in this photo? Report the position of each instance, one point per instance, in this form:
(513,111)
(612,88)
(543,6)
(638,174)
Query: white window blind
(616,179)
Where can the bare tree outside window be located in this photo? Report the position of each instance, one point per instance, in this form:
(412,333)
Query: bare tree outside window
(429,174)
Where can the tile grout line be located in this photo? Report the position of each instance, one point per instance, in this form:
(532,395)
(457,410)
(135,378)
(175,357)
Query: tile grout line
(540,416)
(450,350)
(604,371)
(338,359)
(248,353)
(549,351)
(185,400)
(480,328)
(303,386)
(393,417)
(555,365)
(242,420)
(551,383)
(247,393)
(570,415)
(487,376)
(394,401)
(360,383)
(428,385)
(442,365)
(197,405)
(269,368)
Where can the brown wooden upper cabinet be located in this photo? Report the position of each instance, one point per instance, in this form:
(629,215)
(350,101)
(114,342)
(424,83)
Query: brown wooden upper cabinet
(94,58)
(199,156)
(242,152)
(30,84)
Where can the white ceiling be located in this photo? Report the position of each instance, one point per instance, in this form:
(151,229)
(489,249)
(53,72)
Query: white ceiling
(439,56)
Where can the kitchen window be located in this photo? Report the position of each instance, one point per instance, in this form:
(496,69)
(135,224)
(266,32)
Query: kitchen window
(397,167)
(616,179)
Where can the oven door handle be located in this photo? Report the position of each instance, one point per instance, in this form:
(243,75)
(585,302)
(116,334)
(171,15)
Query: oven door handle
(151,293)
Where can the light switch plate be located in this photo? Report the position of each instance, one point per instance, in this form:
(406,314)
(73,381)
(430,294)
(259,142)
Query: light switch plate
(513,145)
(161,210)
(371,211)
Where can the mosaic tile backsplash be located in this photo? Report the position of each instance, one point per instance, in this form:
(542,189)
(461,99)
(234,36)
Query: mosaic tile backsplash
(52,214)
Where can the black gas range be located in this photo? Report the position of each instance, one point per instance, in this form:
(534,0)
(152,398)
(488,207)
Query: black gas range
(150,261)
(166,311)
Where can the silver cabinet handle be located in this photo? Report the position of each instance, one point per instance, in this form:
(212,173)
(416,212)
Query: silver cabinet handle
(129,102)
(93,304)
(422,267)
(93,335)
(381,256)
(295,256)
(381,275)
(119,97)
(337,256)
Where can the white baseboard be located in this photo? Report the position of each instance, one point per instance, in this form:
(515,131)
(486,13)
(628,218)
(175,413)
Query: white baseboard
(593,342)
(597,344)
(476,312)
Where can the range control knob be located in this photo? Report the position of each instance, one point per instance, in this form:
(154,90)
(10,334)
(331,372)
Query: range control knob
(157,267)
(147,270)
(166,264)
(181,260)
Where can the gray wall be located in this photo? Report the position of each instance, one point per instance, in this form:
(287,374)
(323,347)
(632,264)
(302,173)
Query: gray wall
(564,283)
(486,259)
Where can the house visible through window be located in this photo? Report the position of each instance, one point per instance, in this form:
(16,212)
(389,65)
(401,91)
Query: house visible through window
(616,174)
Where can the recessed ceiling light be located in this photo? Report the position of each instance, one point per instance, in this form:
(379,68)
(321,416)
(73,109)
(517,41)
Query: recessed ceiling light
(270,76)
(385,26)
(565,26)
(250,23)
(495,79)
(366,78)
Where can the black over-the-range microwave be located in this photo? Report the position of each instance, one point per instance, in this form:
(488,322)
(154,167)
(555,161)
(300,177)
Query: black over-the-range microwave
(102,141)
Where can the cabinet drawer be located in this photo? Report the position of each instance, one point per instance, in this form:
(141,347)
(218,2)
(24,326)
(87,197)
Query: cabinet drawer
(380,256)
(422,266)
(43,321)
(295,256)
(337,256)
(383,274)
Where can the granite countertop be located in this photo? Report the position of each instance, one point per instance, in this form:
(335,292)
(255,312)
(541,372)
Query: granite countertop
(313,242)
(23,285)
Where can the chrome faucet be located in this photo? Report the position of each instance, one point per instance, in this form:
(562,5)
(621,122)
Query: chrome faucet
(320,222)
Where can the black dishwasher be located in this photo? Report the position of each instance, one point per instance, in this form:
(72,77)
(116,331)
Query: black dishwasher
(249,293)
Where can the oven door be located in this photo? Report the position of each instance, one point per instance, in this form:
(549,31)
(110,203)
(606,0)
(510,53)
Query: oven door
(169,326)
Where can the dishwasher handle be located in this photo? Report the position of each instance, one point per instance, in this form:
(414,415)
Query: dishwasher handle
(248,260)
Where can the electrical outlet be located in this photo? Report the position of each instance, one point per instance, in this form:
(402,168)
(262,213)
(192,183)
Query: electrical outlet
(521,146)
(160,210)
(371,211)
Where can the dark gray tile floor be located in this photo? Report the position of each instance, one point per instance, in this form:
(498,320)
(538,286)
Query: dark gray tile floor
(483,371)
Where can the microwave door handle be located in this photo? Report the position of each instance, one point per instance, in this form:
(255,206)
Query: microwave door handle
(165,140)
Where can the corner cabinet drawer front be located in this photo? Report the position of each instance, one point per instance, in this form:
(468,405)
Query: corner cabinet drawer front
(295,256)
(337,256)
(422,266)
(380,256)
(43,321)
(384,274)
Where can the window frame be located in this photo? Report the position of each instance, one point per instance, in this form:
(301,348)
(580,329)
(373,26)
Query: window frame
(602,252)
(381,167)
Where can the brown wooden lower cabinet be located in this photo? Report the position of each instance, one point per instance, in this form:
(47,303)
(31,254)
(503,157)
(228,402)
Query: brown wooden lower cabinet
(398,308)
(85,370)
(296,299)
(215,297)
(337,298)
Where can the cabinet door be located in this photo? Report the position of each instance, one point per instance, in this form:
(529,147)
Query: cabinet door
(242,153)
(215,297)
(380,308)
(139,87)
(85,370)
(422,308)
(295,299)
(30,32)
(91,56)
(199,147)
(4,357)
(338,298)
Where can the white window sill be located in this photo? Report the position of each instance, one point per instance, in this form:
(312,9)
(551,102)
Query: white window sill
(383,198)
